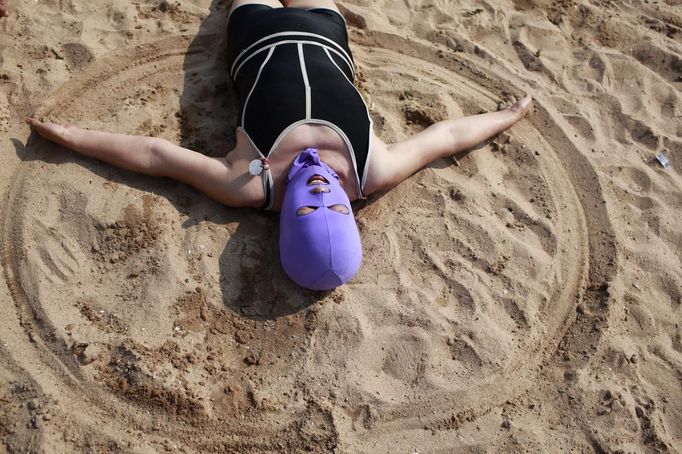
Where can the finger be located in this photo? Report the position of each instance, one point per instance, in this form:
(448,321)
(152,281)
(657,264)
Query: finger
(35,123)
(50,131)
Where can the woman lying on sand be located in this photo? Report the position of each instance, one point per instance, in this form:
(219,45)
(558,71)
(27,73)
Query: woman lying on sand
(305,145)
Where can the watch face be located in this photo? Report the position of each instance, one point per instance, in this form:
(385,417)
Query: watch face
(255,167)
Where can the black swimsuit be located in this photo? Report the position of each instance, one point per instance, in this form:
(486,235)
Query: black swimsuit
(292,66)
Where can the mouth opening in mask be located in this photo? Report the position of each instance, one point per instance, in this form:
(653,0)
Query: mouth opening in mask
(317,180)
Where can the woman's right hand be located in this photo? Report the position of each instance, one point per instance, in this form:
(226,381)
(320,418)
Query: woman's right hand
(52,131)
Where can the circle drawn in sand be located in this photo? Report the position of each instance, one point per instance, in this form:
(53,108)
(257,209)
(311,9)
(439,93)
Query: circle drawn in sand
(153,311)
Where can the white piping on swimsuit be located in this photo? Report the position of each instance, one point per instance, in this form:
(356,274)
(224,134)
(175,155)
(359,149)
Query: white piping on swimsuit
(290,41)
(371,128)
(255,82)
(306,82)
(335,46)
(268,181)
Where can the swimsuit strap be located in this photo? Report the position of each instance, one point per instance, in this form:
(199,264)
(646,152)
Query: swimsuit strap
(268,189)
(261,166)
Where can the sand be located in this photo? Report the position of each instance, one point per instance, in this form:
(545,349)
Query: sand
(525,298)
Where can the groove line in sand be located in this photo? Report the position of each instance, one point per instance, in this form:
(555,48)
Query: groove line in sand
(587,248)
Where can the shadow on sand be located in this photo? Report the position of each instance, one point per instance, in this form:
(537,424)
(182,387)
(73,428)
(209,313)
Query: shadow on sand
(252,281)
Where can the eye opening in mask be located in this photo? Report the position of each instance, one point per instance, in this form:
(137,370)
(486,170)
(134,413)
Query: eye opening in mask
(305,210)
(339,208)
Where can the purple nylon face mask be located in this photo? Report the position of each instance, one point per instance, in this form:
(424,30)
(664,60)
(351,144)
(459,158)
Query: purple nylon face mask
(319,250)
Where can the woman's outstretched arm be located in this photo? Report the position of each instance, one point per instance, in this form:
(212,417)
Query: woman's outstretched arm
(152,156)
(394,163)
(135,153)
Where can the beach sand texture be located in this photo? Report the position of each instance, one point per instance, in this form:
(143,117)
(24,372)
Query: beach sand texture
(525,298)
